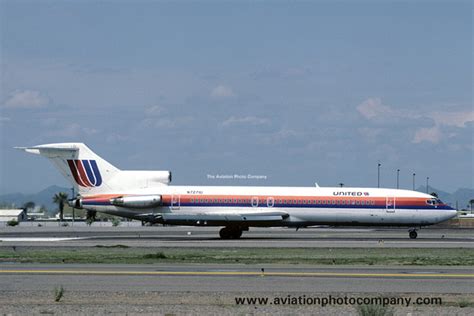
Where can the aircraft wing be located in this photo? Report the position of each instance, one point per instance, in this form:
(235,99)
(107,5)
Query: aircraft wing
(224,217)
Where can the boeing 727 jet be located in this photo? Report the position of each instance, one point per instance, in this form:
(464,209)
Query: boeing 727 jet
(148,196)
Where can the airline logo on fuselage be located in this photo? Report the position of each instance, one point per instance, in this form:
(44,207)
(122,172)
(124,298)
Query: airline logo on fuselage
(350,193)
(85,172)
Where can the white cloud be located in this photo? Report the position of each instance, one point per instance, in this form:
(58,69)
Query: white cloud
(71,130)
(222,91)
(297,72)
(278,137)
(154,110)
(458,119)
(372,108)
(247,120)
(115,138)
(168,122)
(26,99)
(432,135)
(3,120)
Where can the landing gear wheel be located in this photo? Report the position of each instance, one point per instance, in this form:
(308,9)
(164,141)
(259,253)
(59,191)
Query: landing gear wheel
(230,233)
(225,233)
(413,234)
(236,234)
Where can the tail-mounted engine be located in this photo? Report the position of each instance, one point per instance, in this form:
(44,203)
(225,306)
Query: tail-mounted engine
(137,201)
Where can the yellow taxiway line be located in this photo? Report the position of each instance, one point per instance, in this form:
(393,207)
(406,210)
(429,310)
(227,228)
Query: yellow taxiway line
(240,273)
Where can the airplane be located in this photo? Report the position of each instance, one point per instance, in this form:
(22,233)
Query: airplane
(149,197)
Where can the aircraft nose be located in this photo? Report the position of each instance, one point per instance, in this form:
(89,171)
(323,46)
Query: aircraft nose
(451,213)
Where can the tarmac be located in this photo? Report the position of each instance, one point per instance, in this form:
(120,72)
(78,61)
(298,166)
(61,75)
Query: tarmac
(203,237)
(175,289)
(238,278)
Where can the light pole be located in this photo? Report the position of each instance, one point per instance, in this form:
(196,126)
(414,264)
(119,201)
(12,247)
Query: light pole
(414,174)
(378,175)
(73,210)
(398,178)
(427,186)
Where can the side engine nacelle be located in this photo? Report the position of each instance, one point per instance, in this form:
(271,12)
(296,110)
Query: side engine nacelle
(137,201)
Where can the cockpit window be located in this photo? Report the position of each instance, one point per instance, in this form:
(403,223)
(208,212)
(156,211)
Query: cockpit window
(434,202)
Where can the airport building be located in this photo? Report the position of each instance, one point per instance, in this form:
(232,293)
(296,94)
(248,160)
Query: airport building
(12,215)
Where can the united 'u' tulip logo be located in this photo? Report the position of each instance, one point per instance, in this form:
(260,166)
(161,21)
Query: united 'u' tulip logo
(85,172)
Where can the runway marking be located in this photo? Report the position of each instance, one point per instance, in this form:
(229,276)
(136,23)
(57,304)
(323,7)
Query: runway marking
(41,238)
(240,273)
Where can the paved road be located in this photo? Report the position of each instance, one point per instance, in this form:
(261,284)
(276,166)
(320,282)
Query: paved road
(237,278)
(256,237)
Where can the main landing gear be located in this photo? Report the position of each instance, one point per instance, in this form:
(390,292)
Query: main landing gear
(412,233)
(230,232)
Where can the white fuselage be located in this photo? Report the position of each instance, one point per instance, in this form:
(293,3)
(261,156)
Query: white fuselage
(293,206)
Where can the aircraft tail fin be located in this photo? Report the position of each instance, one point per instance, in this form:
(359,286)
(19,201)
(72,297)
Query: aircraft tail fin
(87,172)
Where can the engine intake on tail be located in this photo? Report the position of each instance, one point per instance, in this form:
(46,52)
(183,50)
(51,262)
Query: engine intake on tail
(75,203)
(137,201)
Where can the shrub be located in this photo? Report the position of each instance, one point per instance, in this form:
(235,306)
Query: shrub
(115,222)
(12,222)
(158,255)
(58,293)
(374,310)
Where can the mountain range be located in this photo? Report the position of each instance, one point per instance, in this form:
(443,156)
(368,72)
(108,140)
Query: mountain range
(45,197)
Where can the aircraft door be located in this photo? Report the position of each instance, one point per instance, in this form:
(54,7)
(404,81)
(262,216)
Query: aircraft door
(255,201)
(175,202)
(390,204)
(270,202)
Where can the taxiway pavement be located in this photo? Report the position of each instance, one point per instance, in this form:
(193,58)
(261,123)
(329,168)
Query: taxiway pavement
(238,278)
(257,237)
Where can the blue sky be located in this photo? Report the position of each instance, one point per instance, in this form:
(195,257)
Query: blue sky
(296,91)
